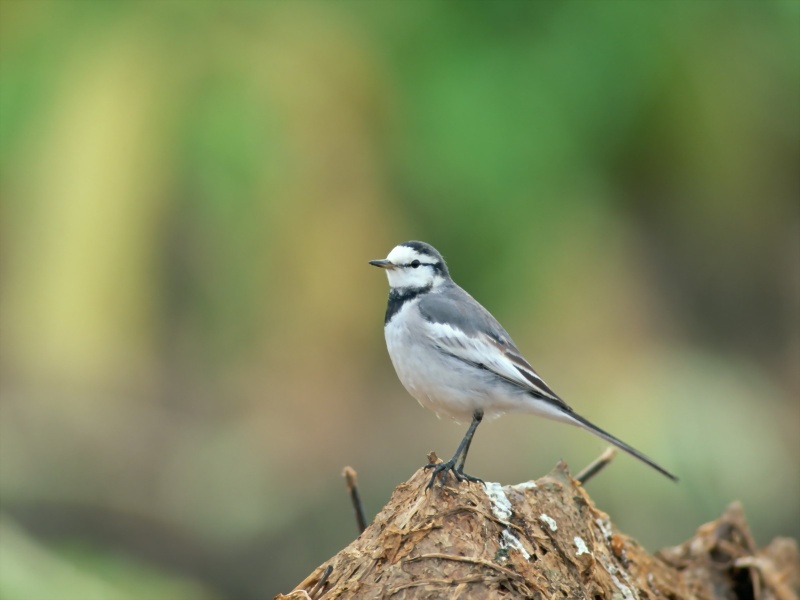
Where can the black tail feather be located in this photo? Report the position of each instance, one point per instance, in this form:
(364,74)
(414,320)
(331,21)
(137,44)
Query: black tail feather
(591,427)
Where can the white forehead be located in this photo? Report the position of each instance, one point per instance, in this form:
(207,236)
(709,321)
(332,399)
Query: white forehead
(403,255)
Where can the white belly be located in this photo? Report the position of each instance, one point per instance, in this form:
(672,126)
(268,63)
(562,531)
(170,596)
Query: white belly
(443,384)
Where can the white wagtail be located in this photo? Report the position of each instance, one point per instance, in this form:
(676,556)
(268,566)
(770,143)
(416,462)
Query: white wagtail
(454,357)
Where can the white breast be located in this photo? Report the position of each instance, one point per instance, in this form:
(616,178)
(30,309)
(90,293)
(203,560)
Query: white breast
(447,386)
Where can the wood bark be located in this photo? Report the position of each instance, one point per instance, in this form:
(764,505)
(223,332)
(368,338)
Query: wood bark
(542,540)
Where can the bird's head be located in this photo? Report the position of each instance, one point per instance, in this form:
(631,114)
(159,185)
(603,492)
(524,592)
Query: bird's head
(414,266)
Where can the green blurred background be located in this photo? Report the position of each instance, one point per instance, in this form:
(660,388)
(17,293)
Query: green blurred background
(192,342)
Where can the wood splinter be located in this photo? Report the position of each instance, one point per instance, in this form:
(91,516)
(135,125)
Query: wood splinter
(321,582)
(597,465)
(351,478)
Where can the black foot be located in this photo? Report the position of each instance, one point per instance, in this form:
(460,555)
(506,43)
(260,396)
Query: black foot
(443,468)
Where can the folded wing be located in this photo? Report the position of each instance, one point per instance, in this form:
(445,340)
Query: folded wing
(460,327)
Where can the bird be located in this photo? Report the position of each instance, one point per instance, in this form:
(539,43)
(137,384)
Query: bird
(456,359)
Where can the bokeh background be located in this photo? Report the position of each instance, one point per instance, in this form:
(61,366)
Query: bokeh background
(191,337)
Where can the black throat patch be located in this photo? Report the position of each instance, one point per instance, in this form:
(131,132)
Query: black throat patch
(398,297)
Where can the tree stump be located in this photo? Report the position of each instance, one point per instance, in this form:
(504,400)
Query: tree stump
(542,539)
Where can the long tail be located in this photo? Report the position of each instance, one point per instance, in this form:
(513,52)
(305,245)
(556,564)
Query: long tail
(591,427)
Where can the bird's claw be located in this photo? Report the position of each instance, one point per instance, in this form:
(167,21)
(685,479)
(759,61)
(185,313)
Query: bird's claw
(443,468)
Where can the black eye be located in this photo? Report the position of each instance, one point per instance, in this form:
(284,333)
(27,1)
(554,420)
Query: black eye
(415,264)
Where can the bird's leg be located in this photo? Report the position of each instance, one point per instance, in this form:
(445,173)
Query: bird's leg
(460,465)
(456,464)
(468,439)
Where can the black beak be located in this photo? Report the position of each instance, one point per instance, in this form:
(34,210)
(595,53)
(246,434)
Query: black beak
(383,264)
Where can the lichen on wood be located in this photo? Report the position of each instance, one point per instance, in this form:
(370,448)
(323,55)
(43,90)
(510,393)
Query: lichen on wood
(542,539)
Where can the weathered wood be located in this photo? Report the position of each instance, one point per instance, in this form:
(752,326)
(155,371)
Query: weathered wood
(542,539)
